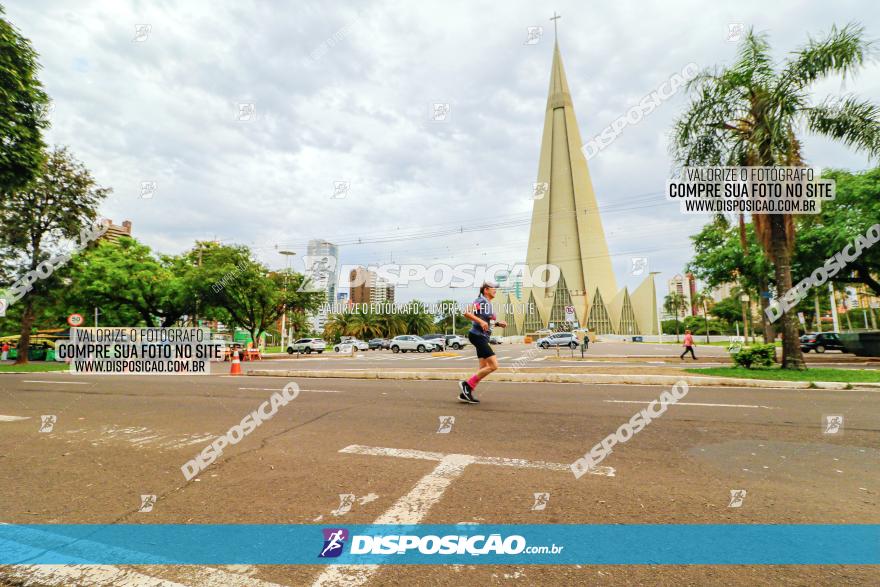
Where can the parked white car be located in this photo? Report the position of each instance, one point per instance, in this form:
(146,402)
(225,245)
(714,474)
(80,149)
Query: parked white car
(412,342)
(357,344)
(307,345)
(456,342)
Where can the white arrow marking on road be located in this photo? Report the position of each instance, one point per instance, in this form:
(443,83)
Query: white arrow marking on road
(620,401)
(414,506)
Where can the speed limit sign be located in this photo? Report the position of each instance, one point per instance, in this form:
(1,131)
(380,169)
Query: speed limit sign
(75,320)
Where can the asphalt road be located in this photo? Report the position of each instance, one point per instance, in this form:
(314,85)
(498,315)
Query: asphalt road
(116,438)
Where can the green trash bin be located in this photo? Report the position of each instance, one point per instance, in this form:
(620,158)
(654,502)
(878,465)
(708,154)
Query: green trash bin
(50,355)
(36,354)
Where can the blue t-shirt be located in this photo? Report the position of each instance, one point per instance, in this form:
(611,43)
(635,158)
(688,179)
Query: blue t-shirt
(484,311)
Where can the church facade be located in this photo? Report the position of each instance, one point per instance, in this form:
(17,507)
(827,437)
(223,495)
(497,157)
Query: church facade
(566,231)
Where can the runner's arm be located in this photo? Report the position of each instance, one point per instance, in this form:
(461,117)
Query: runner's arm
(469,314)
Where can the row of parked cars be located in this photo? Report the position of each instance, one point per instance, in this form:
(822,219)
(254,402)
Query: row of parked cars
(399,344)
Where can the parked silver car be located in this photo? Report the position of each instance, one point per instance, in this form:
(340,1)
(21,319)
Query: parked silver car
(412,342)
(558,339)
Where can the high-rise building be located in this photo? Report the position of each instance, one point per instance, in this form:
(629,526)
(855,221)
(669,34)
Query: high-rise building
(685,286)
(722,292)
(114,232)
(321,262)
(566,232)
(368,288)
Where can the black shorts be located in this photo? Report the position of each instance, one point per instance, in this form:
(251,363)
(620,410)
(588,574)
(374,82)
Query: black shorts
(481,343)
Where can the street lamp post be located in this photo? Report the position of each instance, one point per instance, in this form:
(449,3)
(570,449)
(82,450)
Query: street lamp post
(287,254)
(744,298)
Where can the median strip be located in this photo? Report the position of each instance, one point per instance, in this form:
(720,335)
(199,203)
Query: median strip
(583,378)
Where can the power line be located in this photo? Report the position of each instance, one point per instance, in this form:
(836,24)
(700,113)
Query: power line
(436,231)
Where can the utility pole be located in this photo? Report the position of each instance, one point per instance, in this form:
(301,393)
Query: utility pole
(744,299)
(287,254)
(833,308)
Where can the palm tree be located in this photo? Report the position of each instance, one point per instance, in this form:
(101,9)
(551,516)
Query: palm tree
(392,324)
(365,325)
(674,303)
(701,299)
(338,325)
(749,112)
(417,319)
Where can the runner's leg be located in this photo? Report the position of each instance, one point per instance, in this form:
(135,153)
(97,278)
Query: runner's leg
(487,366)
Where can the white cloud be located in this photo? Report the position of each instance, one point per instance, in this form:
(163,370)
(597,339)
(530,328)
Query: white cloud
(165,110)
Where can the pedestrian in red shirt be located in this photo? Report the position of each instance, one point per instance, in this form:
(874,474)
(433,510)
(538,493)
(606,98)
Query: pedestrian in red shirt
(688,345)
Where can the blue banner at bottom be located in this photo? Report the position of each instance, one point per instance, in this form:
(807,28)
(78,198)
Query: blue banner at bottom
(276,544)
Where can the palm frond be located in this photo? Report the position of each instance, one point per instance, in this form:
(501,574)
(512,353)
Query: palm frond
(753,65)
(843,51)
(855,123)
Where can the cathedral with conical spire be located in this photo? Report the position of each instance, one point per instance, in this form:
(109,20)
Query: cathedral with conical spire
(566,232)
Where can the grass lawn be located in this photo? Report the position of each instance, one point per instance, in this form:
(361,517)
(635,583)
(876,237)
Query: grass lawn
(777,374)
(35,367)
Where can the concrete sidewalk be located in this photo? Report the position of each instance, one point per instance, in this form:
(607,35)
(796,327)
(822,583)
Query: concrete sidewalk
(591,378)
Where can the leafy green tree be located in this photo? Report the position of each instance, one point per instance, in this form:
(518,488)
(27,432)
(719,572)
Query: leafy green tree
(729,309)
(719,258)
(131,285)
(23,105)
(240,291)
(855,208)
(52,210)
(750,112)
(449,315)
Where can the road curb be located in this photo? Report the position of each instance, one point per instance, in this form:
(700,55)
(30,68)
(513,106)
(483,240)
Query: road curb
(592,378)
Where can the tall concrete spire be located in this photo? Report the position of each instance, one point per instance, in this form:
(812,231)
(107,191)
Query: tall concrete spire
(566,228)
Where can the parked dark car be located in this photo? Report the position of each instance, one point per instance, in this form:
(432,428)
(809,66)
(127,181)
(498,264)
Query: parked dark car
(821,342)
(379,344)
(441,338)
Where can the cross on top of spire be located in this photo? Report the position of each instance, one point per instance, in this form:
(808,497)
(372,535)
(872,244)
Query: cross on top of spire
(554,19)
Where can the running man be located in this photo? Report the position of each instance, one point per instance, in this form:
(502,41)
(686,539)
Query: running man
(482,316)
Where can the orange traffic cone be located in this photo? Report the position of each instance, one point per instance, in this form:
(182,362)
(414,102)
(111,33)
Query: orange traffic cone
(235,368)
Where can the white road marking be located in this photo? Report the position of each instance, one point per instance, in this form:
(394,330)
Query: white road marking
(58,382)
(414,506)
(83,575)
(620,401)
(102,575)
(13,418)
(142,437)
(86,575)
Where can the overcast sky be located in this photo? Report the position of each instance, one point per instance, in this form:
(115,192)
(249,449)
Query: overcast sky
(343,91)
